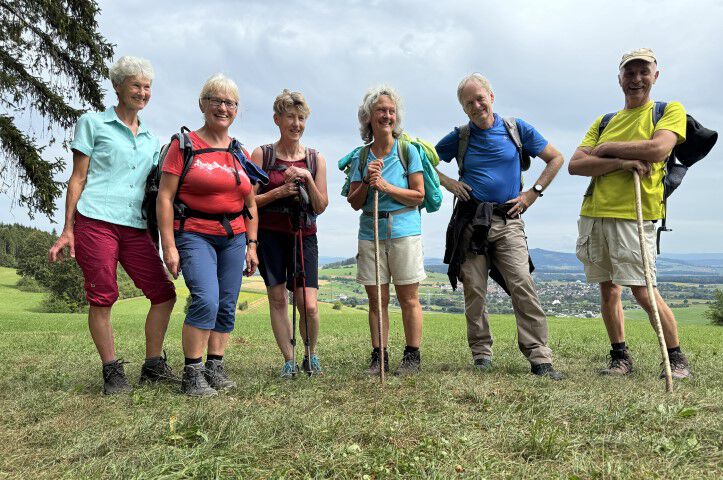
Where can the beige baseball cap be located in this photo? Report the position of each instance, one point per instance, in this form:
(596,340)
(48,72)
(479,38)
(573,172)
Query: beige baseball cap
(645,54)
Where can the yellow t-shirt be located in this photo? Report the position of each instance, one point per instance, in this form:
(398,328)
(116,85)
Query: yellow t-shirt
(613,194)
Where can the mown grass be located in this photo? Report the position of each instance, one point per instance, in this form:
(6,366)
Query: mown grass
(447,422)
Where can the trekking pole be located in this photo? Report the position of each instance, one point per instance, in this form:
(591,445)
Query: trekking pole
(379,286)
(649,284)
(293,312)
(302,274)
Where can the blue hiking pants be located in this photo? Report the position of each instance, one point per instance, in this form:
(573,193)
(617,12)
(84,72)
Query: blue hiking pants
(212,267)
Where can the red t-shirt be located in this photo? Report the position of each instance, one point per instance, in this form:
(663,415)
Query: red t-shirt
(210,186)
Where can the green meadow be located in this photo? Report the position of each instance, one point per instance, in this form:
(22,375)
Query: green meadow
(447,422)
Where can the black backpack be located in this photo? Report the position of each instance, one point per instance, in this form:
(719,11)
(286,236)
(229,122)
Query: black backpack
(181,211)
(698,143)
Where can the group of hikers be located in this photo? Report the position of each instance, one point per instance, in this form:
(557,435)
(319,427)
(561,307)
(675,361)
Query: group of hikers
(222,213)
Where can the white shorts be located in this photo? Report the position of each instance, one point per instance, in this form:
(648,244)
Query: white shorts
(609,248)
(401,260)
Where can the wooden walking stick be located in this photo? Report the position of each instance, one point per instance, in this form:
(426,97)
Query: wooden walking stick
(649,284)
(379,286)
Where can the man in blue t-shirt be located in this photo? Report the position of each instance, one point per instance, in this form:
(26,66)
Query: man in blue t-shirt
(486,231)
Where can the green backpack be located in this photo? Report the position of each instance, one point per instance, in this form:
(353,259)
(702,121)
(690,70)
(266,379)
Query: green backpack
(432,191)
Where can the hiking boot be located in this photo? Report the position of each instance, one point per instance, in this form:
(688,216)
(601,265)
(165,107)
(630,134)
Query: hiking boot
(114,378)
(374,363)
(411,363)
(157,370)
(314,368)
(678,366)
(621,363)
(216,376)
(194,381)
(546,370)
(483,364)
(289,370)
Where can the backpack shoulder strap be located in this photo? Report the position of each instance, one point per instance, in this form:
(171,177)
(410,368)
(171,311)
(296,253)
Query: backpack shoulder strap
(604,122)
(311,160)
(658,111)
(463,132)
(363,157)
(403,147)
(514,132)
(186,146)
(269,156)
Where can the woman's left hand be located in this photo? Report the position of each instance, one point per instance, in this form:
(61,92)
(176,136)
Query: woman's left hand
(252,260)
(293,173)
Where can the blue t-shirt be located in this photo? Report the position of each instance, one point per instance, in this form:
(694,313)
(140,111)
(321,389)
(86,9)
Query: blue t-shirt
(404,224)
(491,164)
(119,165)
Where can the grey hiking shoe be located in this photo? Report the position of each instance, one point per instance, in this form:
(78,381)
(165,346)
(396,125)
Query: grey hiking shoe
(194,381)
(411,363)
(483,364)
(678,366)
(621,363)
(157,370)
(546,370)
(216,376)
(374,363)
(114,378)
(313,368)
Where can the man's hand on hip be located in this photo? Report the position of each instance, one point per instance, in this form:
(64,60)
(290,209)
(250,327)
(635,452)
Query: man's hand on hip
(521,203)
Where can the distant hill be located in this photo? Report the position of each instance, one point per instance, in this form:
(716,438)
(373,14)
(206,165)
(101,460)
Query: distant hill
(551,262)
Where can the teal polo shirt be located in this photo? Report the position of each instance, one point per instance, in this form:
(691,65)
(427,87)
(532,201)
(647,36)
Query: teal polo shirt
(119,165)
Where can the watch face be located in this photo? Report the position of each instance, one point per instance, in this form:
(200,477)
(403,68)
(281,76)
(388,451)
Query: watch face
(538,188)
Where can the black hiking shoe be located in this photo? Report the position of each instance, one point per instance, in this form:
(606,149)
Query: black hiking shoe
(194,381)
(216,376)
(678,366)
(374,363)
(157,370)
(313,368)
(546,370)
(411,363)
(114,378)
(621,363)
(483,364)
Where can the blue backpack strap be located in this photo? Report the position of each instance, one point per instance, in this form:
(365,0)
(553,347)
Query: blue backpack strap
(604,122)
(658,111)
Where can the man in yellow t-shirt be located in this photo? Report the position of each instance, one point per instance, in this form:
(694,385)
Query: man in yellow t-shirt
(608,243)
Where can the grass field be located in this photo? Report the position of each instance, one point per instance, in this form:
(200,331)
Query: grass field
(447,422)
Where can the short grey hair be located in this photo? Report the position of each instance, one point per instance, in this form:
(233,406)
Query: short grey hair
(128,66)
(473,77)
(219,83)
(365,111)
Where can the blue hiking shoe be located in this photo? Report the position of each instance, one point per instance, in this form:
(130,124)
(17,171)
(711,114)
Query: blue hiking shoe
(314,368)
(289,370)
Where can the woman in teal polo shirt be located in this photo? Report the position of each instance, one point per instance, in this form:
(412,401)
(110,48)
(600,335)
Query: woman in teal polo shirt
(401,191)
(113,152)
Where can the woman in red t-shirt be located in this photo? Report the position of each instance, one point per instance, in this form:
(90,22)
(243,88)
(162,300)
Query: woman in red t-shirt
(211,243)
(289,166)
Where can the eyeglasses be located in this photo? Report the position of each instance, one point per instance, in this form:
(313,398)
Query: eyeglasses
(217,102)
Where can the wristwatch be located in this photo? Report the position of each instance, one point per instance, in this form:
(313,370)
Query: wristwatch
(252,241)
(537,189)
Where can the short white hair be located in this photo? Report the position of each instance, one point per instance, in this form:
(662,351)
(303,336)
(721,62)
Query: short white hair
(219,83)
(365,111)
(128,66)
(473,77)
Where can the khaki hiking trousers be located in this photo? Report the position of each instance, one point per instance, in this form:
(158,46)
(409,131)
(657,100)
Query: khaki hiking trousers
(508,245)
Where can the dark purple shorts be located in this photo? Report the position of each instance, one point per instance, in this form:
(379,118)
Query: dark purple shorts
(99,246)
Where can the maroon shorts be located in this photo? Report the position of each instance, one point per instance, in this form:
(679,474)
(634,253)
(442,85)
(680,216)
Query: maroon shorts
(99,246)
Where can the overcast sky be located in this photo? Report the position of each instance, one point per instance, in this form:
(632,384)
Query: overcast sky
(552,63)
